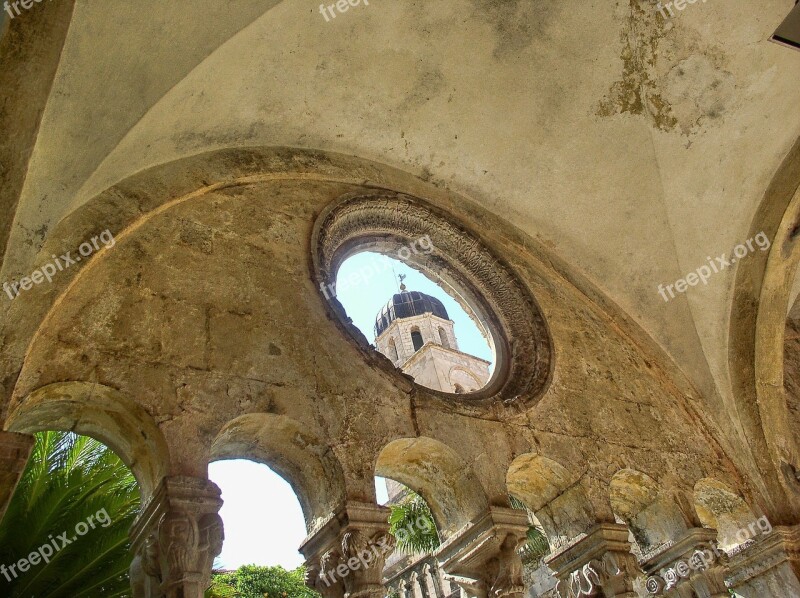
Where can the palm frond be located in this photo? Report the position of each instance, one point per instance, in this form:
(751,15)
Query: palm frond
(71,481)
(536,546)
(412,524)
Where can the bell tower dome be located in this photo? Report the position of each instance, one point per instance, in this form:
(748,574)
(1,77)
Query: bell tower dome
(415,332)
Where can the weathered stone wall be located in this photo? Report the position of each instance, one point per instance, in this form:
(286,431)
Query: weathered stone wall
(205,312)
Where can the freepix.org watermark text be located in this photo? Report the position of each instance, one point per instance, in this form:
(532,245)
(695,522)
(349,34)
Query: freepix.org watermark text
(373,553)
(376,266)
(714,266)
(26,5)
(59,264)
(702,559)
(46,551)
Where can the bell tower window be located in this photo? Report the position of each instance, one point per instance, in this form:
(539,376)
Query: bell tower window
(416,339)
(443,338)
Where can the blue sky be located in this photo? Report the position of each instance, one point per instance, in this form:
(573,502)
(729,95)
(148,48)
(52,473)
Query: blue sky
(263,521)
(364,300)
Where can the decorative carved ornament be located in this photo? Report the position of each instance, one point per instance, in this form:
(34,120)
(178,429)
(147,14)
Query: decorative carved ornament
(346,556)
(692,565)
(387,221)
(176,538)
(601,564)
(610,575)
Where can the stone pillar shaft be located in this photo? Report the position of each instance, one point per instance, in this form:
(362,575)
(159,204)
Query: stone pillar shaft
(176,539)
(15,449)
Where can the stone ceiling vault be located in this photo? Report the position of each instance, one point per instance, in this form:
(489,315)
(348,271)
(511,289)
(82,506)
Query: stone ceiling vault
(633,166)
(602,149)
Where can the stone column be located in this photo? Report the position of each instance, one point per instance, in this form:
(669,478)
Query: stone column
(176,539)
(347,554)
(415,584)
(768,566)
(14,452)
(692,567)
(598,564)
(423,582)
(482,558)
(432,571)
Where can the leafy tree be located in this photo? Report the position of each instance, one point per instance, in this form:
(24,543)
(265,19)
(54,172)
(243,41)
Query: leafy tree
(223,585)
(68,480)
(251,581)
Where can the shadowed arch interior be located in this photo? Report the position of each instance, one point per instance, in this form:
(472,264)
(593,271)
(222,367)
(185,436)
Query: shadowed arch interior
(637,499)
(720,508)
(553,494)
(104,414)
(439,475)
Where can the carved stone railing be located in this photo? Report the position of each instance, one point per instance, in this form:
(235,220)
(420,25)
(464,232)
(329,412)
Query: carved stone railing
(421,579)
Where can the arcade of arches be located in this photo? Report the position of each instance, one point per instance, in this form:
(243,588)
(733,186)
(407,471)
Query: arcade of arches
(565,158)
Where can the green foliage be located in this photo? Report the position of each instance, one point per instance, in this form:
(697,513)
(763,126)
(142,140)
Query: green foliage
(251,581)
(536,547)
(69,479)
(412,525)
(222,586)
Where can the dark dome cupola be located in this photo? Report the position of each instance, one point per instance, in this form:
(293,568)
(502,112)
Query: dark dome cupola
(407,304)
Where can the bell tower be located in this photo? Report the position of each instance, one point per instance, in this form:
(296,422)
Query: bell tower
(414,331)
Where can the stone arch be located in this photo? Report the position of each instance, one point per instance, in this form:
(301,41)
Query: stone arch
(296,454)
(719,507)
(466,269)
(553,494)
(763,295)
(459,375)
(653,517)
(438,474)
(416,338)
(106,415)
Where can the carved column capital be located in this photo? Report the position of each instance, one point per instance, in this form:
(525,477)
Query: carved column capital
(692,566)
(14,452)
(767,565)
(598,564)
(483,559)
(346,555)
(176,539)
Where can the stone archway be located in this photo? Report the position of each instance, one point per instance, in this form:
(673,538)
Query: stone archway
(104,414)
(304,461)
(653,517)
(439,475)
(758,351)
(553,494)
(719,507)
